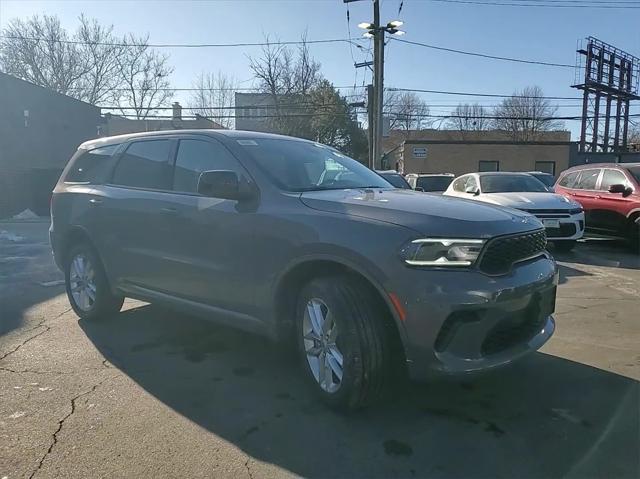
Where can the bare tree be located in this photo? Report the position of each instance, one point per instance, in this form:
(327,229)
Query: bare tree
(144,79)
(469,117)
(100,50)
(213,97)
(526,115)
(288,78)
(406,111)
(633,136)
(37,51)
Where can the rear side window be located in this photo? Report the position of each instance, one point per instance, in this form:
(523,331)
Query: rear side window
(613,177)
(569,180)
(91,166)
(196,156)
(588,179)
(145,164)
(458,185)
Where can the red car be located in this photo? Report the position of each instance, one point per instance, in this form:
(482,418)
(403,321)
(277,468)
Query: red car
(609,194)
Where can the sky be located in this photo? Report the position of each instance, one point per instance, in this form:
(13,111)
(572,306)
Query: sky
(543,34)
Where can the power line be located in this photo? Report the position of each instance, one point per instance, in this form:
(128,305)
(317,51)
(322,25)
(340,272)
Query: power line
(184,45)
(490,95)
(483,55)
(540,5)
(423,115)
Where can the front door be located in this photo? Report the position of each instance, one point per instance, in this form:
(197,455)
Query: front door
(612,208)
(210,251)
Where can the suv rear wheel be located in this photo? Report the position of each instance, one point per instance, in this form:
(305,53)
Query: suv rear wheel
(342,342)
(87,285)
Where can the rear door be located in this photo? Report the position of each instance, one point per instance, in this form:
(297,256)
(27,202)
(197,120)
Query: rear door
(612,208)
(132,212)
(587,194)
(210,252)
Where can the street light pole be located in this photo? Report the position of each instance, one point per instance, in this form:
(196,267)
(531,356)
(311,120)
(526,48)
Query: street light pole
(378,84)
(377,32)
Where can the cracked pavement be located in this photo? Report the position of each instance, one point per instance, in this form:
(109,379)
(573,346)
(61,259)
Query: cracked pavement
(152,393)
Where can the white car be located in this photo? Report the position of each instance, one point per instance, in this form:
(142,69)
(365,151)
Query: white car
(563,218)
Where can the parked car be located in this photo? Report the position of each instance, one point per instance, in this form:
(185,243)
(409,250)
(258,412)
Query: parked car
(562,218)
(431,183)
(395,178)
(547,178)
(609,194)
(292,239)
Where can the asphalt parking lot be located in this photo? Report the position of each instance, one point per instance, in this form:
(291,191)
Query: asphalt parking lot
(153,393)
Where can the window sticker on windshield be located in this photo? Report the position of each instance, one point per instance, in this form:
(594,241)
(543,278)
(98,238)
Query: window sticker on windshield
(247,142)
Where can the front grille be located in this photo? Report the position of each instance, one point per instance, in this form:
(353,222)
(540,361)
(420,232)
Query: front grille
(501,253)
(565,230)
(574,211)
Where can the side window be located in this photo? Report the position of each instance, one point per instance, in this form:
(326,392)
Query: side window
(91,165)
(471,183)
(196,156)
(612,177)
(458,185)
(588,179)
(145,164)
(569,180)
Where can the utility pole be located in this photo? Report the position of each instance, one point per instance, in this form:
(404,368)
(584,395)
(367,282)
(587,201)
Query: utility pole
(377,31)
(370,111)
(378,84)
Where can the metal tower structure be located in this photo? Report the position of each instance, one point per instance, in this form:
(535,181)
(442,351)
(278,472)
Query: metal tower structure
(608,78)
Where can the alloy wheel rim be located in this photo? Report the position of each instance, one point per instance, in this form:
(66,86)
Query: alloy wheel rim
(82,282)
(320,333)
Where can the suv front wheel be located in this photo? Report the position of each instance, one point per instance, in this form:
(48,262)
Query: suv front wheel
(87,285)
(342,341)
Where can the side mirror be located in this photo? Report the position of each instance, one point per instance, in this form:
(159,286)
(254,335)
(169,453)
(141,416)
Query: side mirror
(419,188)
(625,190)
(221,184)
(472,191)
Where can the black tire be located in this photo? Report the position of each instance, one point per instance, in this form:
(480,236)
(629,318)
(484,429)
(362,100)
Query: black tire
(633,235)
(362,338)
(105,304)
(564,246)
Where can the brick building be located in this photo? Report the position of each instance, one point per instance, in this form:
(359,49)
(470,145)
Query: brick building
(440,151)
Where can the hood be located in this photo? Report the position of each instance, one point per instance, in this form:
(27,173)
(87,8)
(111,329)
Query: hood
(529,201)
(425,213)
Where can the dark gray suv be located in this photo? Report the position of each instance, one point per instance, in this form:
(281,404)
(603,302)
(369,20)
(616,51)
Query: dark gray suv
(292,239)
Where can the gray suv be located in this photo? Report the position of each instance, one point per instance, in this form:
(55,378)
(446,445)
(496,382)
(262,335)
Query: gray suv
(293,240)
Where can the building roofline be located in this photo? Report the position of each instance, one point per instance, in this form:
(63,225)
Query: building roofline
(489,142)
(49,90)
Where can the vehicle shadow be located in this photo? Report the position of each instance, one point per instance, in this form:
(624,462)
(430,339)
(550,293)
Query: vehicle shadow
(602,252)
(566,272)
(544,417)
(28,274)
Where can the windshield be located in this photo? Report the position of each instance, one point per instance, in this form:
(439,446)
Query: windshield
(433,183)
(396,180)
(510,184)
(635,171)
(303,166)
(548,180)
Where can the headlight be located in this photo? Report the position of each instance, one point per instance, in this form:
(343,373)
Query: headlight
(442,252)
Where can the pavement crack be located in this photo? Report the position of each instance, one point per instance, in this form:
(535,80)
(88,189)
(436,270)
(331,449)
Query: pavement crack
(47,328)
(246,466)
(39,325)
(61,424)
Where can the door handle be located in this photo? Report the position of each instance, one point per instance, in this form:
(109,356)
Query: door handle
(598,197)
(169,211)
(95,202)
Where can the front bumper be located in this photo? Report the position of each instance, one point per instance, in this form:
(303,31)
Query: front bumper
(569,227)
(464,321)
